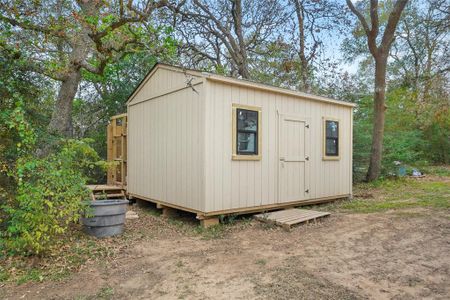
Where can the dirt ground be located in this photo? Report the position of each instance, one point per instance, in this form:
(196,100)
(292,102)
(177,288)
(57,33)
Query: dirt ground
(386,255)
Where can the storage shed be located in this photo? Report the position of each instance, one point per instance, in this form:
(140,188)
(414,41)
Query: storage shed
(213,145)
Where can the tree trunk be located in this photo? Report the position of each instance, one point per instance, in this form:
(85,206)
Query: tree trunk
(243,70)
(242,60)
(304,68)
(61,121)
(378,118)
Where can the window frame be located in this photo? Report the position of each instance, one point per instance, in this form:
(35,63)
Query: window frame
(326,156)
(241,156)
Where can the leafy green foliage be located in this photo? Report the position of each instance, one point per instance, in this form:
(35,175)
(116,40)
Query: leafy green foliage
(111,90)
(412,140)
(437,148)
(49,193)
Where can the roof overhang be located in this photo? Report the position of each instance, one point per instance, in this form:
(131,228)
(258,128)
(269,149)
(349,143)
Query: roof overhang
(238,82)
(273,89)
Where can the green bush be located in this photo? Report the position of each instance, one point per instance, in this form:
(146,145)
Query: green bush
(47,194)
(403,146)
(437,146)
(409,138)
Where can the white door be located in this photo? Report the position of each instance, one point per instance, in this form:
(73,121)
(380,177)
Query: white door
(293,164)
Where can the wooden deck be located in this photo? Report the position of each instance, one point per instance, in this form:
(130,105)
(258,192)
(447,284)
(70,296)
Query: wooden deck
(289,217)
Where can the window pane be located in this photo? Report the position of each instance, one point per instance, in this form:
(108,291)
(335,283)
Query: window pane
(247,120)
(246,142)
(332,147)
(332,129)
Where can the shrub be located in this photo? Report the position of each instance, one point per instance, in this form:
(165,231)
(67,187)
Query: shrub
(436,134)
(48,193)
(403,146)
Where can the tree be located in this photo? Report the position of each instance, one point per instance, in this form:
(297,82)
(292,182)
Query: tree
(379,49)
(226,33)
(311,19)
(420,65)
(105,96)
(420,52)
(64,39)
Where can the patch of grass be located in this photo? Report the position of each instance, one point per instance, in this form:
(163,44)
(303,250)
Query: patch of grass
(228,219)
(4,276)
(261,262)
(212,232)
(59,275)
(436,170)
(265,223)
(246,221)
(396,194)
(105,293)
(81,252)
(183,226)
(364,206)
(30,275)
(218,231)
(152,211)
(176,222)
(269,225)
(179,264)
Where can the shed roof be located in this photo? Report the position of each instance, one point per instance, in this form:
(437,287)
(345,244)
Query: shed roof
(235,81)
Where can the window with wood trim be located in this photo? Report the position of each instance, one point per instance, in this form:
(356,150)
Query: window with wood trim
(331,139)
(246,132)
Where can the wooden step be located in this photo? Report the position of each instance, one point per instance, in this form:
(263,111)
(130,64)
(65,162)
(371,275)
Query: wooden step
(289,217)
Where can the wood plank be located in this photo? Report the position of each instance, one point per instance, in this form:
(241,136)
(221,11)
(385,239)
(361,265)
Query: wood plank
(289,214)
(103,187)
(300,220)
(296,216)
(277,214)
(287,218)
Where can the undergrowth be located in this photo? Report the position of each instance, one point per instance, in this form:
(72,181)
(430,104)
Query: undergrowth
(59,264)
(396,194)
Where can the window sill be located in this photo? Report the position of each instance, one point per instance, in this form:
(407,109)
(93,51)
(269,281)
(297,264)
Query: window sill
(245,157)
(331,158)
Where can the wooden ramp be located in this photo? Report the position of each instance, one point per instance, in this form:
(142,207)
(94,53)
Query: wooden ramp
(289,217)
(105,191)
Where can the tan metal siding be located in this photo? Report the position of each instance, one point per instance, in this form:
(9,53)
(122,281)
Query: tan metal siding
(238,184)
(166,152)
